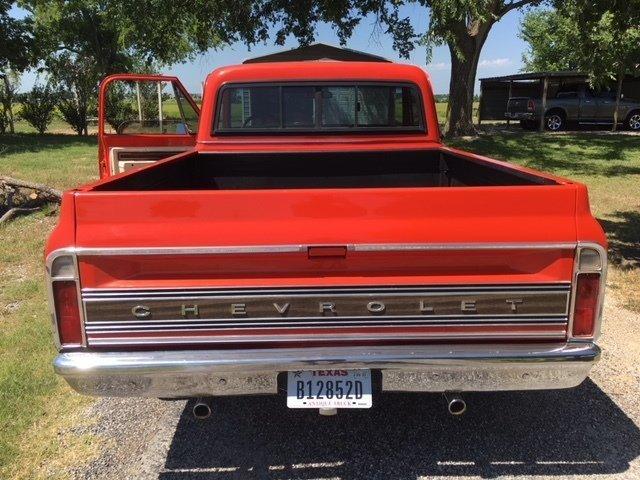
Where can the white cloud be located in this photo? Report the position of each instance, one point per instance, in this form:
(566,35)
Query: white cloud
(494,62)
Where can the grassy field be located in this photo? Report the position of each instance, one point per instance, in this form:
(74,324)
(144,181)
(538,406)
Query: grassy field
(35,406)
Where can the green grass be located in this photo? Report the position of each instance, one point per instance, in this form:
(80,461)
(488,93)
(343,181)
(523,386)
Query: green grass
(61,161)
(35,405)
(441,110)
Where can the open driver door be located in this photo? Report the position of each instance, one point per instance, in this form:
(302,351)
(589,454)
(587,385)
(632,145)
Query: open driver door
(142,119)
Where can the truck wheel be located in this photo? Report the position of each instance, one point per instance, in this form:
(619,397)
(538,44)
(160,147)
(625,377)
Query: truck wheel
(554,121)
(633,122)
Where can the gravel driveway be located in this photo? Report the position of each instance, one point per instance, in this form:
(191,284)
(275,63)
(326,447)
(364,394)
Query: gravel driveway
(589,430)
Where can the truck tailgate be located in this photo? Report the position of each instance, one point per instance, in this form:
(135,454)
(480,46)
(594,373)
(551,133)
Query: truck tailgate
(326,265)
(541,213)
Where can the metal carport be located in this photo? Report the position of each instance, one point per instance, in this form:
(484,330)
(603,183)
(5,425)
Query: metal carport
(495,91)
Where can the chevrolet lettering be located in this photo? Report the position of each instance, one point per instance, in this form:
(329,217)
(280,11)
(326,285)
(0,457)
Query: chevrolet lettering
(305,233)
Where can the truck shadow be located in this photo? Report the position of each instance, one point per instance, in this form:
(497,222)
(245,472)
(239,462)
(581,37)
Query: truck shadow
(32,143)
(570,432)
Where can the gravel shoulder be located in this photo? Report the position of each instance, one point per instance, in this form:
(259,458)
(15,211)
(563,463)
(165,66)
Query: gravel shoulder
(587,431)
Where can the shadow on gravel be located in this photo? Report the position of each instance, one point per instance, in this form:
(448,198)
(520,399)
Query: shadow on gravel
(568,432)
(623,231)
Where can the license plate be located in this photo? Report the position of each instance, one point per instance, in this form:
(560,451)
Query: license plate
(329,389)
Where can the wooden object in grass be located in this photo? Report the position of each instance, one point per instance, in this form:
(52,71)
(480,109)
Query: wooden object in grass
(19,197)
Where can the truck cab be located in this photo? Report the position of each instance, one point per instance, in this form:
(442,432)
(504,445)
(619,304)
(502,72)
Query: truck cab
(315,230)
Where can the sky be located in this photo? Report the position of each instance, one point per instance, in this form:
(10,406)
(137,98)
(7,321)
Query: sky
(501,55)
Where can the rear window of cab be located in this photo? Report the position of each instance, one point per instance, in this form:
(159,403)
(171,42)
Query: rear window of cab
(287,107)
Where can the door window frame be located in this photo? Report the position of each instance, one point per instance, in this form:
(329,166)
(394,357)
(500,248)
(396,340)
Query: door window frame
(127,77)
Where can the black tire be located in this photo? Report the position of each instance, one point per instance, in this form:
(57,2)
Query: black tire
(554,121)
(633,121)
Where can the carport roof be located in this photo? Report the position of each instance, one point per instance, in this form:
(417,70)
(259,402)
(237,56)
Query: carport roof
(535,76)
(318,51)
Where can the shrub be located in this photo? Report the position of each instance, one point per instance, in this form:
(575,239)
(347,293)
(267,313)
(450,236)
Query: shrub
(38,106)
(76,112)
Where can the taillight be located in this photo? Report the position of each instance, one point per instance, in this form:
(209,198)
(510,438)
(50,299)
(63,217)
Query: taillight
(64,296)
(585,310)
(531,106)
(589,278)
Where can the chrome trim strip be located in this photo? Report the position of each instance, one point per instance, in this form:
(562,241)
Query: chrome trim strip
(371,247)
(462,319)
(338,338)
(404,367)
(461,246)
(95,294)
(222,326)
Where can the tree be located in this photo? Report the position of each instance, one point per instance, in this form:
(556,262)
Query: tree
(77,82)
(463,25)
(82,41)
(551,39)
(601,39)
(16,54)
(118,34)
(38,107)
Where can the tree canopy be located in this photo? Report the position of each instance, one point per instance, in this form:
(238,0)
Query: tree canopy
(598,38)
(16,40)
(121,35)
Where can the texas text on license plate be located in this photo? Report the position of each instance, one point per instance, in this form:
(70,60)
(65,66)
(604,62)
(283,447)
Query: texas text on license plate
(329,389)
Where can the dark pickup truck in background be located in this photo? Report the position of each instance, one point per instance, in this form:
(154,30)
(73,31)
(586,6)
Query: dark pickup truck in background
(574,103)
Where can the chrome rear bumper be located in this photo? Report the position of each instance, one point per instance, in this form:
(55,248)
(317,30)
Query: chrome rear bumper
(426,368)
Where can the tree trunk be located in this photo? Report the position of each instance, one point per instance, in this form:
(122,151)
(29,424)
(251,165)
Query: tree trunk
(463,79)
(9,102)
(618,95)
(48,193)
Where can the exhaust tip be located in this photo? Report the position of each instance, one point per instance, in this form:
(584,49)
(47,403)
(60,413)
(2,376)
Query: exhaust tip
(457,406)
(201,410)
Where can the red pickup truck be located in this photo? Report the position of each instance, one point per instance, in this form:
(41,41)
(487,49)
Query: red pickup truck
(309,233)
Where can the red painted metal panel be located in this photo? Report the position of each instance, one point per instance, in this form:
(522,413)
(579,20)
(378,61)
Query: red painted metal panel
(326,217)
(357,268)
